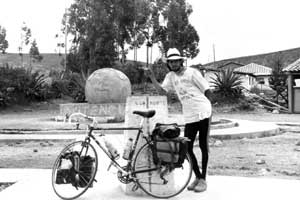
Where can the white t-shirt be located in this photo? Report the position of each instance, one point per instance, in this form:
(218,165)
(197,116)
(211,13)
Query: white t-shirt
(190,87)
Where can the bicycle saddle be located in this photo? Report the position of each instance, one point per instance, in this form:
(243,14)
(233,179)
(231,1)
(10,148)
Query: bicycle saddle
(147,114)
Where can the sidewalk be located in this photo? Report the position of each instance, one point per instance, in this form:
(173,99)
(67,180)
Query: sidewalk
(35,184)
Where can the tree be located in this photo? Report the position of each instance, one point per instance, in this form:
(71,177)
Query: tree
(34,52)
(178,32)
(175,32)
(59,44)
(3,41)
(123,18)
(91,22)
(100,28)
(142,24)
(25,39)
(278,79)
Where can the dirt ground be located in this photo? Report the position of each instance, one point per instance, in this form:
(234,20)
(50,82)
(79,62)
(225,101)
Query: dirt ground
(276,156)
(30,154)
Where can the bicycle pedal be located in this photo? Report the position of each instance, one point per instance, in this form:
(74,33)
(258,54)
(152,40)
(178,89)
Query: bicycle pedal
(111,164)
(134,188)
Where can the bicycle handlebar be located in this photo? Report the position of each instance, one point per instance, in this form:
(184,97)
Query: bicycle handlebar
(83,115)
(94,122)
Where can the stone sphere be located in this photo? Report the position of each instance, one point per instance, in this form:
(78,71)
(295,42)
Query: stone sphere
(107,85)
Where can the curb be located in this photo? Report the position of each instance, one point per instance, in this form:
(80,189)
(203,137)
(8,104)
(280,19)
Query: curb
(229,129)
(224,124)
(250,135)
(290,127)
(248,129)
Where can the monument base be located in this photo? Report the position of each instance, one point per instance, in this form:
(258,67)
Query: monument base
(114,111)
(159,104)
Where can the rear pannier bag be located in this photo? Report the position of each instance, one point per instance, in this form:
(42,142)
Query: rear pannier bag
(169,151)
(166,130)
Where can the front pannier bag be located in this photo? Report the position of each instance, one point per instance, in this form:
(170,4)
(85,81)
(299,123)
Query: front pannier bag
(66,174)
(86,168)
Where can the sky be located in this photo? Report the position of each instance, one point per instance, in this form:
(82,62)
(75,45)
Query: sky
(227,28)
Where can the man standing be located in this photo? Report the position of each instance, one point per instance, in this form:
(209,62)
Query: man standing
(193,92)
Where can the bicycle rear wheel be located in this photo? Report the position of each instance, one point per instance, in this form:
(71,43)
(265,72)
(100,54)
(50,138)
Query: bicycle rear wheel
(160,181)
(67,182)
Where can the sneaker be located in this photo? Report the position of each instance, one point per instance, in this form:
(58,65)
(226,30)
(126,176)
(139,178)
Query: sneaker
(201,186)
(193,184)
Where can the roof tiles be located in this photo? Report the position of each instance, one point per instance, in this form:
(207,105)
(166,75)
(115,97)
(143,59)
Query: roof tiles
(293,67)
(254,69)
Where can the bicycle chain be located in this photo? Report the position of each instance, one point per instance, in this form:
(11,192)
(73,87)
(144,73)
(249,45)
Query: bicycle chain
(124,178)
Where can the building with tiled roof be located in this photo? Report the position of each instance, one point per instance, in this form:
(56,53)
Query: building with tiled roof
(293,72)
(293,67)
(254,69)
(254,75)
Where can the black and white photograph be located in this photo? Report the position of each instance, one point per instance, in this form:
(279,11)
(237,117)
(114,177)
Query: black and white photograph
(149,99)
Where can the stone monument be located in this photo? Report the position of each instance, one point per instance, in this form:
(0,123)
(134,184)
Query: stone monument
(106,92)
(107,85)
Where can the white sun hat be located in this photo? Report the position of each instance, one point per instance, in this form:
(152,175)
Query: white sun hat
(174,54)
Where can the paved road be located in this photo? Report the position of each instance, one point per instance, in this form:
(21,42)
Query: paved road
(34,184)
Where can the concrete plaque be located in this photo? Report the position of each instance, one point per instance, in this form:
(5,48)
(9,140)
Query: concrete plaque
(115,110)
(143,103)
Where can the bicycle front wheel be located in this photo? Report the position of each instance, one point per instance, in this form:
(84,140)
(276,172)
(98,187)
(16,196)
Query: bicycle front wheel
(160,181)
(70,182)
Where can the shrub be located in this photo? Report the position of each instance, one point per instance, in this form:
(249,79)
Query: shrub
(77,87)
(278,82)
(218,98)
(20,85)
(245,106)
(59,87)
(228,84)
(5,98)
(160,71)
(133,70)
(35,88)
(255,90)
(72,85)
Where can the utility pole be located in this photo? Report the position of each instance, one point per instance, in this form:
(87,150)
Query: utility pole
(134,37)
(66,39)
(214,53)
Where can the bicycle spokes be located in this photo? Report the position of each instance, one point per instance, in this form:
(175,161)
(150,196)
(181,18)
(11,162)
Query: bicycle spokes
(160,181)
